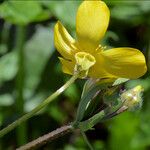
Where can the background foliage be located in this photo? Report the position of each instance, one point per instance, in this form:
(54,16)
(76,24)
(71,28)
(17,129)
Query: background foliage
(30,71)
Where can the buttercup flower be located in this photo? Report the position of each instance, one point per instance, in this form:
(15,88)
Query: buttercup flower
(85,53)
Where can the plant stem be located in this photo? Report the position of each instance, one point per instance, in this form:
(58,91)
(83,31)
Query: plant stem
(20,39)
(46,138)
(115,113)
(39,107)
(91,122)
(5,33)
(86,140)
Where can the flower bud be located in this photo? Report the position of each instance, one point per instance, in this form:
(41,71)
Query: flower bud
(132,98)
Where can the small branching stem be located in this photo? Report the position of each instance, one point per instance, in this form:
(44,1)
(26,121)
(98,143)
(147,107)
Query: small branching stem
(86,125)
(47,138)
(39,107)
(87,141)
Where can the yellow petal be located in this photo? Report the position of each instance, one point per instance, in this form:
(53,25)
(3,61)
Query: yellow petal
(91,23)
(67,66)
(64,43)
(124,62)
(98,70)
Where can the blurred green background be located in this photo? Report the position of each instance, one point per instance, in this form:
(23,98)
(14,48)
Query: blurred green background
(30,71)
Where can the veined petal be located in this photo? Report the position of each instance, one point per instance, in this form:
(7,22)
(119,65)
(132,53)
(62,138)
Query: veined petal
(98,70)
(67,66)
(124,62)
(63,41)
(91,23)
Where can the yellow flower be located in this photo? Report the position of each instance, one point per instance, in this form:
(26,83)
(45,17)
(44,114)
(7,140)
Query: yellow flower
(86,54)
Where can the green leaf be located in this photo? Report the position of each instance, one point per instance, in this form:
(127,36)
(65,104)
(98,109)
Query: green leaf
(99,145)
(145,6)
(85,99)
(120,81)
(143,82)
(123,131)
(6,100)
(142,139)
(44,15)
(69,147)
(58,114)
(92,106)
(126,11)
(65,11)
(90,89)
(3,49)
(89,84)
(38,51)
(71,93)
(34,101)
(129,12)
(8,66)
(20,12)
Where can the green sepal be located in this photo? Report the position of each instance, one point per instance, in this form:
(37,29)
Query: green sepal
(101,116)
(94,105)
(120,81)
(90,89)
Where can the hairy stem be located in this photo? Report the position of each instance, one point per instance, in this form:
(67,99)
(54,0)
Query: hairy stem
(47,138)
(39,107)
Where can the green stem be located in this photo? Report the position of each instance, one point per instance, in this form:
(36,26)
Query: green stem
(5,33)
(86,140)
(91,122)
(20,39)
(39,107)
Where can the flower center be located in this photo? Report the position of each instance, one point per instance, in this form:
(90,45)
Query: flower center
(84,61)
